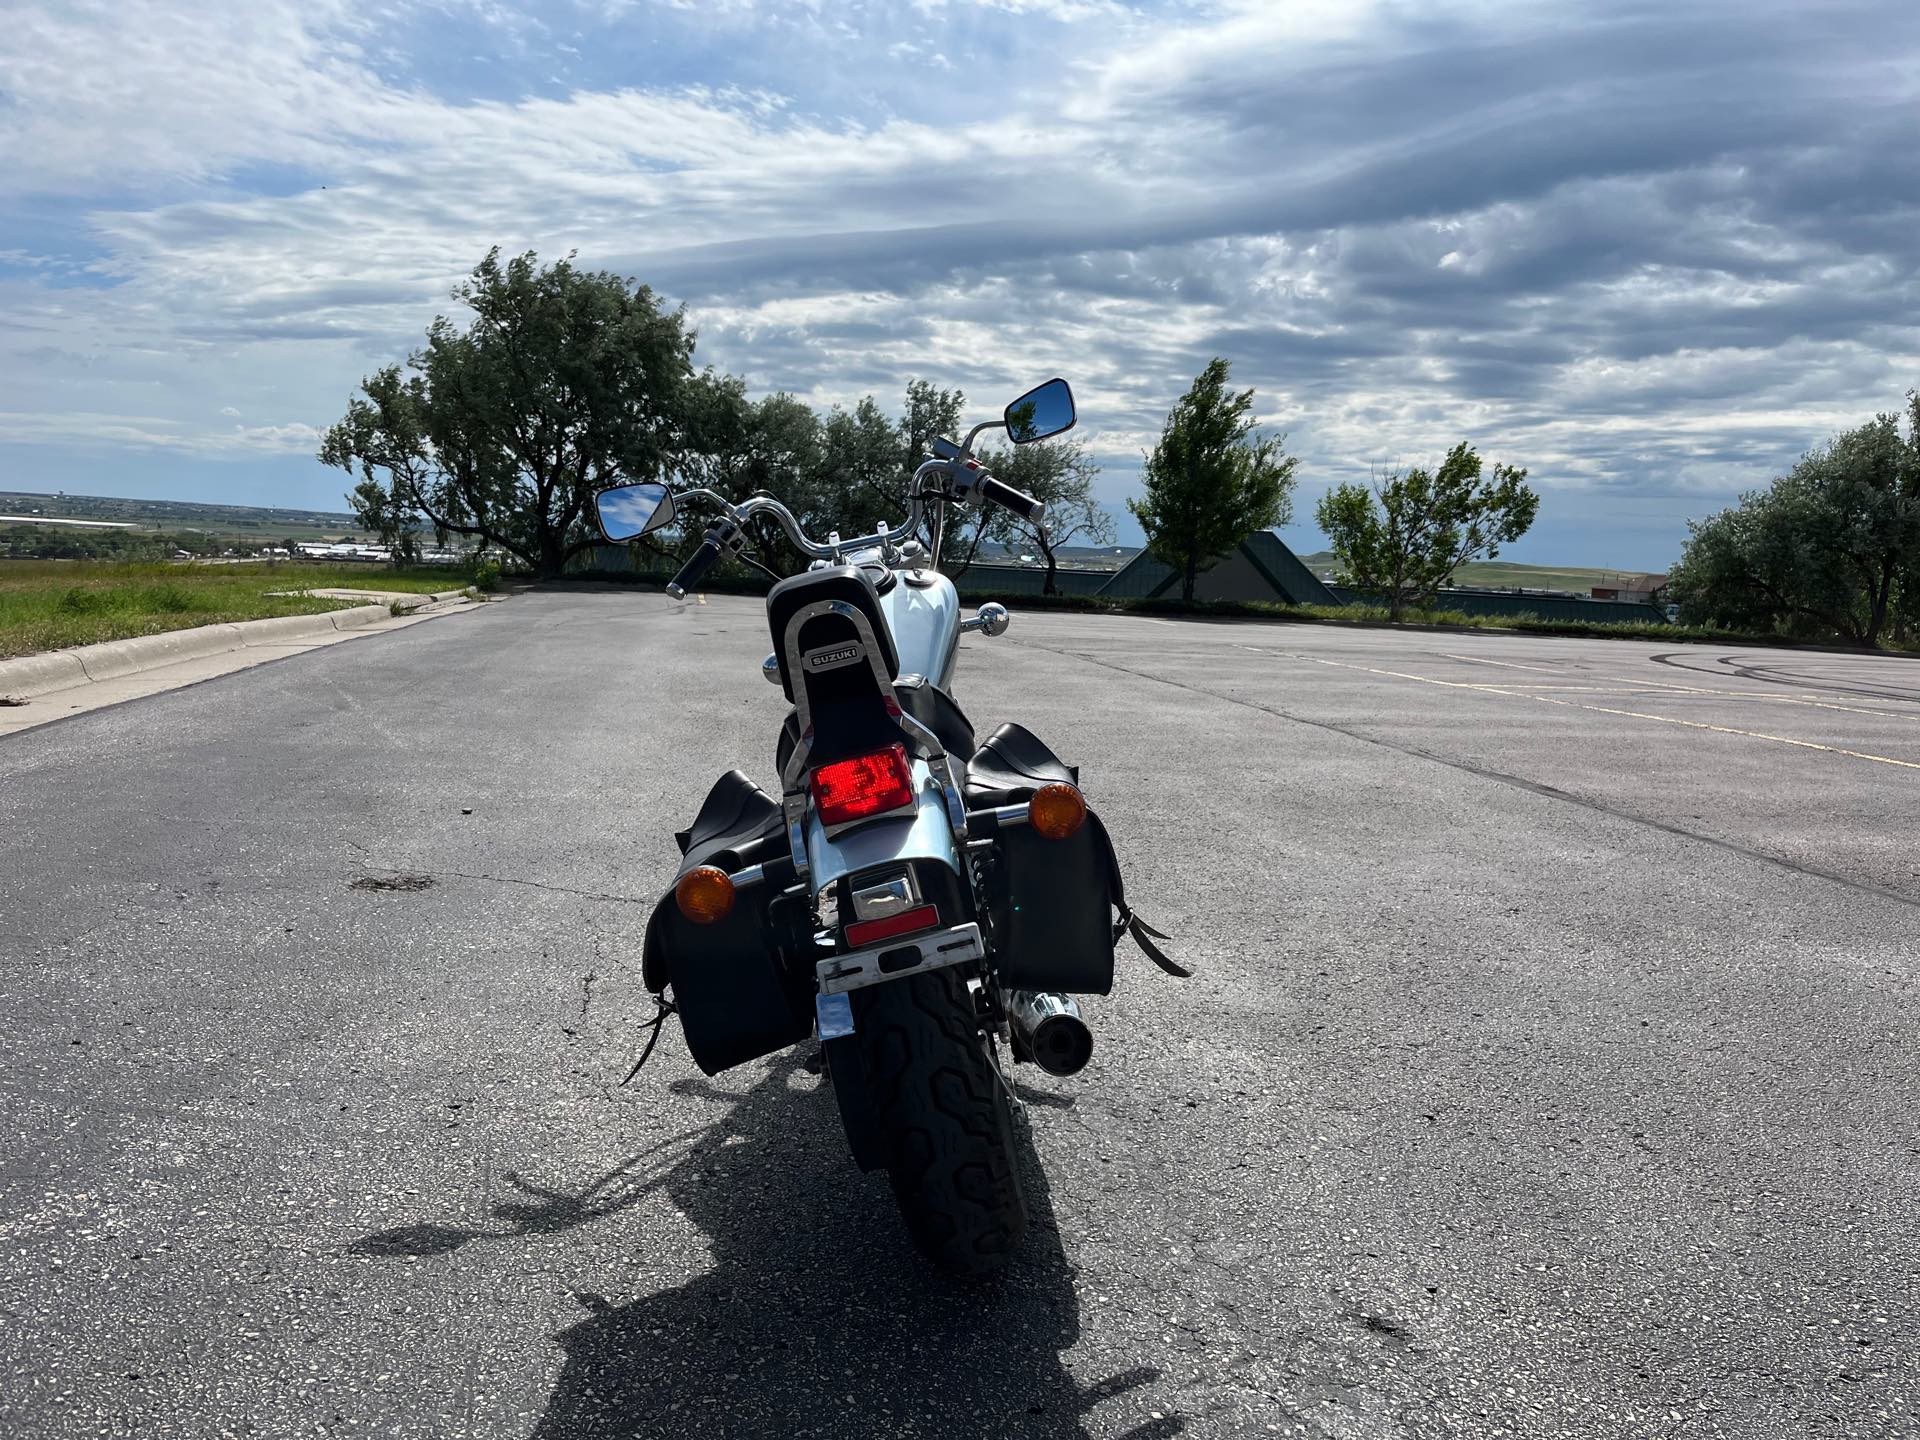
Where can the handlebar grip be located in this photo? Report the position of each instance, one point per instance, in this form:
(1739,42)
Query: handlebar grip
(695,569)
(1025,506)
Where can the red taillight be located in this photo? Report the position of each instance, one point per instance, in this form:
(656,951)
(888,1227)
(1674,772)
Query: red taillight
(871,932)
(866,785)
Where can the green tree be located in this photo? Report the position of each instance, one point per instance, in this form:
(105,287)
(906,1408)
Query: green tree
(389,515)
(773,446)
(845,471)
(1404,538)
(1832,548)
(1059,473)
(562,382)
(1211,482)
(855,483)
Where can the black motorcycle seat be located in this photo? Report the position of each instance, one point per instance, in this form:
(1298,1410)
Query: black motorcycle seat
(735,813)
(925,701)
(1010,765)
(940,713)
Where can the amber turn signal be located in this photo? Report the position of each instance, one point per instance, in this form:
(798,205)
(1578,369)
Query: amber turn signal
(704,894)
(1056,811)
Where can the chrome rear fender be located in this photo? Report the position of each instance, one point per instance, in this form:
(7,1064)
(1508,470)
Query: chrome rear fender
(926,834)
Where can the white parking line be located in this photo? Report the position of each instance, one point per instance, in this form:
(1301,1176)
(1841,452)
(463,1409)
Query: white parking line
(1518,693)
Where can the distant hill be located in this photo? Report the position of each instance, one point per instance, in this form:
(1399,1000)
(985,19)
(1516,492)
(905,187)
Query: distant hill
(1505,575)
(250,522)
(267,523)
(1083,557)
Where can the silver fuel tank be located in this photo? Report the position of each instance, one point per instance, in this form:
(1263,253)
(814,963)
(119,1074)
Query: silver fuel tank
(923,610)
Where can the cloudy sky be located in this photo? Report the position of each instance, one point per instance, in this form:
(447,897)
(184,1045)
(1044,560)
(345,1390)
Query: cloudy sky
(1650,251)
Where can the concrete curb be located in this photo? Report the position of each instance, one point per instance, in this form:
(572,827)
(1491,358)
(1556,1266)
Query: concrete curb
(38,674)
(33,675)
(409,599)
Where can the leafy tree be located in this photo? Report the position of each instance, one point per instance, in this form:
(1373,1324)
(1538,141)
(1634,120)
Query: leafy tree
(855,483)
(1404,538)
(775,447)
(846,471)
(1832,548)
(1906,607)
(1059,473)
(388,515)
(1211,482)
(772,445)
(564,381)
(931,412)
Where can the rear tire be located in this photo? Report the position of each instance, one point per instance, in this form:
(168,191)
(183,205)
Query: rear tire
(946,1131)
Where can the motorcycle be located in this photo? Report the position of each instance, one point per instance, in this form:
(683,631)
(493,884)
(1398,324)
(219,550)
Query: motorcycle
(916,900)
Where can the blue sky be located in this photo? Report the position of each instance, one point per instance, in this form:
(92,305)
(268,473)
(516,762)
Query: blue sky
(1651,251)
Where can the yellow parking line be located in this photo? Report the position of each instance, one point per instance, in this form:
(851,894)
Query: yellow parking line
(1630,714)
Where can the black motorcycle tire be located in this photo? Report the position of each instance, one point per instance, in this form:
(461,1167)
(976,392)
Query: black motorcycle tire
(945,1127)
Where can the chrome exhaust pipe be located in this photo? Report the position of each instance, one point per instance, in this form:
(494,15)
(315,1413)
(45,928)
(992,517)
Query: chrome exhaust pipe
(1048,1030)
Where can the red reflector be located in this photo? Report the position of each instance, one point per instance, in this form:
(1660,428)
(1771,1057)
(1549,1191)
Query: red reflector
(866,785)
(867,932)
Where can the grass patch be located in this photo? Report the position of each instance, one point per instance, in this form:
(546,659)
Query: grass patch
(53,604)
(1507,574)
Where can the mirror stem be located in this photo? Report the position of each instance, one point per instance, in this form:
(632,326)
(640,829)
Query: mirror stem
(966,445)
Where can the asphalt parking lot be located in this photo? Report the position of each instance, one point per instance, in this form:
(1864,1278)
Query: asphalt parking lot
(1548,1069)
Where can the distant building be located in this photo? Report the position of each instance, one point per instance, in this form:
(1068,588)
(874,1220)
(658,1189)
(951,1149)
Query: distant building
(1261,567)
(1641,589)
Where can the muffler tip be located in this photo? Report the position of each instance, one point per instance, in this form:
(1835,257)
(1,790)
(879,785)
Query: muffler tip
(1062,1045)
(1048,1030)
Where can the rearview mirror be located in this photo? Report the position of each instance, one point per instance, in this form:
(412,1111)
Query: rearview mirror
(1044,410)
(630,511)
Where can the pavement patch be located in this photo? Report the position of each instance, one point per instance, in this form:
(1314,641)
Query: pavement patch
(402,884)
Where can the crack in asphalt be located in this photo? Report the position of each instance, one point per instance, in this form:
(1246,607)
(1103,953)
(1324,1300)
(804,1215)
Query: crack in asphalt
(1502,777)
(536,885)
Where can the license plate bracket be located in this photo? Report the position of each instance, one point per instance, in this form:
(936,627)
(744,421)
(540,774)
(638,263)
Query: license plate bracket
(898,959)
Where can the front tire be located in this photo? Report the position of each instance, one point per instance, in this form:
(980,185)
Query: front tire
(945,1128)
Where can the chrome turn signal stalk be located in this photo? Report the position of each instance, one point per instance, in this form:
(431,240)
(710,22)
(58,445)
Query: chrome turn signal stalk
(992,619)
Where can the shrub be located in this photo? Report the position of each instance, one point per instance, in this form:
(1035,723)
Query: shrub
(483,570)
(78,601)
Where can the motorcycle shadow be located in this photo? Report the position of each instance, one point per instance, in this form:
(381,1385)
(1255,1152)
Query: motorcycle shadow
(817,1318)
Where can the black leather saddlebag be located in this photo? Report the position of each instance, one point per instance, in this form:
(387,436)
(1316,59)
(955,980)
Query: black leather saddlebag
(1052,900)
(736,996)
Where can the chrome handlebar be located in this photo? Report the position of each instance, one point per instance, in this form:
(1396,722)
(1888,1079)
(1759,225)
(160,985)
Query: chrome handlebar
(832,550)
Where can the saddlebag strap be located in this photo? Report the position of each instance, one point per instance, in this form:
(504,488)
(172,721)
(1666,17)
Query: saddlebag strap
(1133,925)
(656,1025)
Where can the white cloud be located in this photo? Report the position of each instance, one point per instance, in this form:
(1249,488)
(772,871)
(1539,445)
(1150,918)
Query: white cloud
(1644,250)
